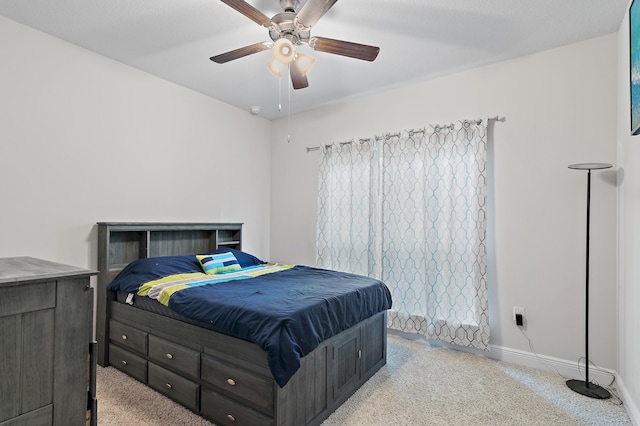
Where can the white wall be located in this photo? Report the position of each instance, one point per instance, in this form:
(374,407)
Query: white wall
(86,139)
(629,239)
(559,108)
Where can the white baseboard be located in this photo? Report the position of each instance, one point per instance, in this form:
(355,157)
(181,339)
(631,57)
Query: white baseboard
(632,409)
(568,369)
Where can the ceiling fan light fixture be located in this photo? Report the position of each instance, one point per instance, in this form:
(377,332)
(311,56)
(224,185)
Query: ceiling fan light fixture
(283,50)
(304,62)
(276,67)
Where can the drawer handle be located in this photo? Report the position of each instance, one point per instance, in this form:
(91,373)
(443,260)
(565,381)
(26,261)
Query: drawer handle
(231,418)
(124,337)
(231,382)
(169,356)
(123,362)
(168,385)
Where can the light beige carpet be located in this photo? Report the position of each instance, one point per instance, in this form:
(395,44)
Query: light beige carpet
(420,385)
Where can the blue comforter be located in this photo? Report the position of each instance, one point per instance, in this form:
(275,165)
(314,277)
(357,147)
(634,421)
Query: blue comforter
(288,313)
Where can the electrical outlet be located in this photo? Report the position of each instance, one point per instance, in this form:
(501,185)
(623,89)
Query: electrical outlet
(518,315)
(518,310)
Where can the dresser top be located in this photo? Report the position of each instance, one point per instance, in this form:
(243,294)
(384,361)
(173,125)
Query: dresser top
(29,269)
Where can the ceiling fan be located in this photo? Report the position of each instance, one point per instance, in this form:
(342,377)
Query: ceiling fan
(289,29)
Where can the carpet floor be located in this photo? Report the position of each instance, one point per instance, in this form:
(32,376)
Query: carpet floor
(420,385)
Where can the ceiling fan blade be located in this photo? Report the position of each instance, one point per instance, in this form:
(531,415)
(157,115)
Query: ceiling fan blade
(298,79)
(344,48)
(250,12)
(312,11)
(242,52)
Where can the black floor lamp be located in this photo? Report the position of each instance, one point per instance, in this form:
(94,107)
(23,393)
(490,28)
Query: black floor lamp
(584,386)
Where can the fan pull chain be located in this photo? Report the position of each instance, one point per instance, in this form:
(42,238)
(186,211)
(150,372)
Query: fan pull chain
(280,93)
(289,106)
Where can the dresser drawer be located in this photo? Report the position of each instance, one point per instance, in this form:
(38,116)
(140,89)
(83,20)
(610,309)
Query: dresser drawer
(225,411)
(174,356)
(231,380)
(131,364)
(174,386)
(27,298)
(128,337)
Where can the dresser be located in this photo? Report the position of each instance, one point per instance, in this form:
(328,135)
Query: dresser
(46,322)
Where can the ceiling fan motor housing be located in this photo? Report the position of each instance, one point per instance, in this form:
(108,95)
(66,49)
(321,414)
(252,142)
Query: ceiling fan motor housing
(289,5)
(286,28)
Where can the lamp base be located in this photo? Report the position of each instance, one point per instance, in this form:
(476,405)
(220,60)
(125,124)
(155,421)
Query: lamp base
(588,389)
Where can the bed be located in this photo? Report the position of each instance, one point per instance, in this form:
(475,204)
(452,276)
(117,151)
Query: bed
(274,344)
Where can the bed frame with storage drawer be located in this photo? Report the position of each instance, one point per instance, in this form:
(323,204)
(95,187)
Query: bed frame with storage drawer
(224,379)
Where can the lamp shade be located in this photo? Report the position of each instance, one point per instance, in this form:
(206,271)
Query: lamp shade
(283,50)
(276,67)
(304,62)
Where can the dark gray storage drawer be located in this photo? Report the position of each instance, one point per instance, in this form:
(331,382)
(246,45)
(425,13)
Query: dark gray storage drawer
(128,337)
(231,380)
(174,356)
(131,364)
(225,411)
(174,386)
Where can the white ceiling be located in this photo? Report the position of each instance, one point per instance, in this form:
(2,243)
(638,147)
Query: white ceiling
(418,40)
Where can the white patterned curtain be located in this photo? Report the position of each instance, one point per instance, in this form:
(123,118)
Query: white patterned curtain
(425,215)
(434,233)
(347,190)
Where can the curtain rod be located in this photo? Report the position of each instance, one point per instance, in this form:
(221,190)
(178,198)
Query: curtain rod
(478,121)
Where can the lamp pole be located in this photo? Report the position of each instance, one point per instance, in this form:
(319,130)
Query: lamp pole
(585,387)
